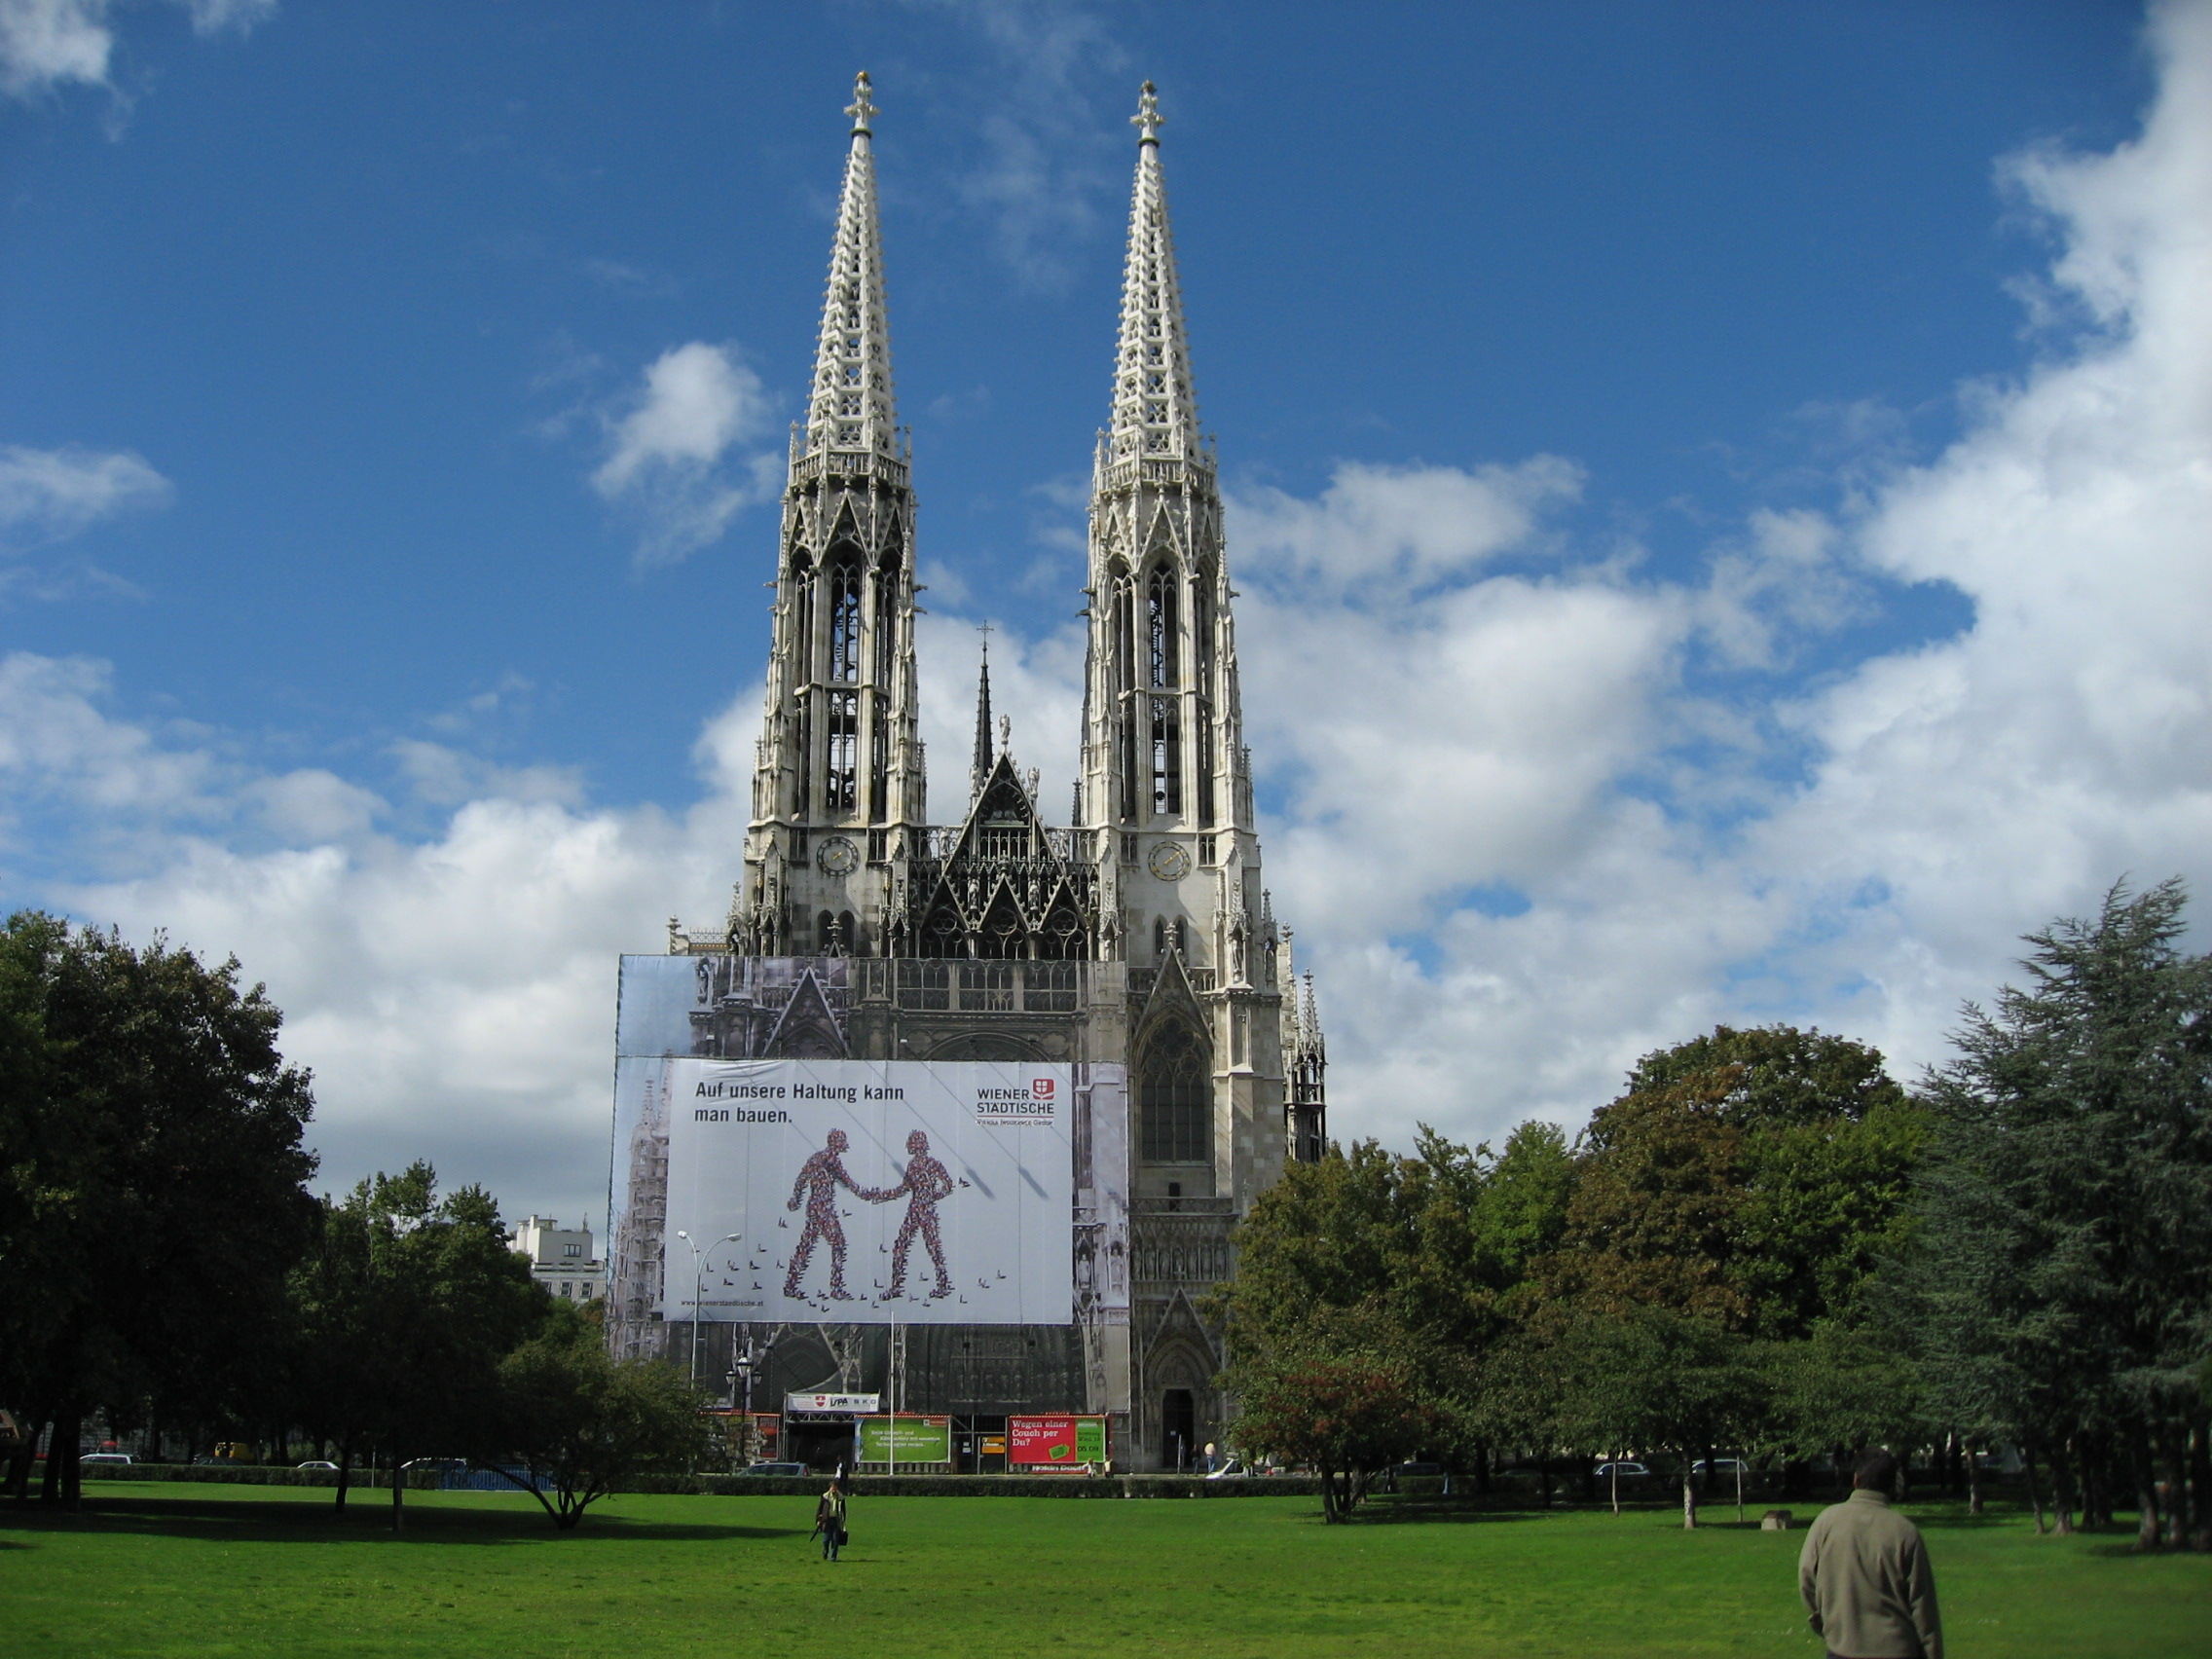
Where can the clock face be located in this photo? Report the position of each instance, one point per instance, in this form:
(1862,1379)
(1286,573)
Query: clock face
(837,856)
(1168,862)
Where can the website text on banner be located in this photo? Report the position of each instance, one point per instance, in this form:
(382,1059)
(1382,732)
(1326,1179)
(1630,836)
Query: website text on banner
(905,1440)
(1055,1442)
(868,1192)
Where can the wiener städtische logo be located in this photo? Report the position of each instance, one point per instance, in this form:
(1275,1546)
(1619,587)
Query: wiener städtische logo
(1037,1103)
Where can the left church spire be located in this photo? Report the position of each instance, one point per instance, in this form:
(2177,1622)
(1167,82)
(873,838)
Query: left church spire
(838,784)
(851,405)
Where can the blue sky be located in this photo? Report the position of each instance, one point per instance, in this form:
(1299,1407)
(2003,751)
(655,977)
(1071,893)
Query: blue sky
(1635,411)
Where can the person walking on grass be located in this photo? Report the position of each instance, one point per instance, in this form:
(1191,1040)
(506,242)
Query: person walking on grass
(829,1516)
(1864,1574)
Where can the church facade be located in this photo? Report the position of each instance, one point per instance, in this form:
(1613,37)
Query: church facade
(1138,933)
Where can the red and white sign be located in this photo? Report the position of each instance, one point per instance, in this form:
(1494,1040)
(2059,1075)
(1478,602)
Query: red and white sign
(1055,1442)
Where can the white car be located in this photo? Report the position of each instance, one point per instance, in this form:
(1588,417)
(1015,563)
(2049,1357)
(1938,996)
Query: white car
(1233,1469)
(1621,1471)
(105,1457)
(316,1463)
(1722,1467)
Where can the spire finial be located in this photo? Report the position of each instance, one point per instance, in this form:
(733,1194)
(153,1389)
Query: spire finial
(861,109)
(1148,120)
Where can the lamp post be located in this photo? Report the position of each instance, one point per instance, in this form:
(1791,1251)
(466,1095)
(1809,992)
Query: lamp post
(699,1287)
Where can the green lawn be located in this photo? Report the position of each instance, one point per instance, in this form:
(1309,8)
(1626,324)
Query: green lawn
(157,1569)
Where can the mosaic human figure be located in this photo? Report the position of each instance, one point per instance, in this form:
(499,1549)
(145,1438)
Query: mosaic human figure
(818,1179)
(926,1183)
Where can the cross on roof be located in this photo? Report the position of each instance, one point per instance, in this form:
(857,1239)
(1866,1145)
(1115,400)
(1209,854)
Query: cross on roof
(986,629)
(1148,120)
(861,109)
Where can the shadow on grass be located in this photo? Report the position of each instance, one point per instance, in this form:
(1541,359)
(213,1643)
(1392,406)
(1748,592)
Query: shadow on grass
(279,1522)
(1388,1511)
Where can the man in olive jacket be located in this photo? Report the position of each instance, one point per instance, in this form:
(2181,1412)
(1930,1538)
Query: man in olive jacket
(1864,1574)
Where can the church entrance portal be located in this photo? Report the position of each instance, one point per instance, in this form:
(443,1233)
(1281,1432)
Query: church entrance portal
(1178,1427)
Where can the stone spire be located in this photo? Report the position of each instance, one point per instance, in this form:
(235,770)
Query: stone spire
(979,770)
(1162,730)
(1156,410)
(840,779)
(852,407)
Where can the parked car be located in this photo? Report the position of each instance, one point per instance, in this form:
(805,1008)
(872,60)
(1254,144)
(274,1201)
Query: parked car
(1723,1466)
(316,1463)
(775,1469)
(1231,1468)
(105,1457)
(1625,1471)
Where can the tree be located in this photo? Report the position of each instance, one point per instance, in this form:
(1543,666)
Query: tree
(152,1191)
(1437,1247)
(2065,1246)
(1341,1395)
(407,1309)
(577,1420)
(1754,1177)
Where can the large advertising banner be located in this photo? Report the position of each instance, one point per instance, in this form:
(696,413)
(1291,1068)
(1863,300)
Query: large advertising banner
(905,1440)
(1055,1442)
(862,1191)
(818,1186)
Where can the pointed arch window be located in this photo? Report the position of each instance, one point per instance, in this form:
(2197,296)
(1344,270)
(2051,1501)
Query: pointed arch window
(843,667)
(1160,625)
(1166,757)
(1173,1098)
(840,787)
(884,625)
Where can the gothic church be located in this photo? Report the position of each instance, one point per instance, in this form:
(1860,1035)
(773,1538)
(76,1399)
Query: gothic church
(1139,933)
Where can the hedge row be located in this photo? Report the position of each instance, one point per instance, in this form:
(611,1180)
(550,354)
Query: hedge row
(985,1485)
(765,1485)
(254,1474)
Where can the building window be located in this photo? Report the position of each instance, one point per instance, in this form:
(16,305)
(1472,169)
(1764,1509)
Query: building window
(844,665)
(1159,624)
(1128,849)
(840,791)
(571,1252)
(569,1290)
(1166,757)
(1205,849)
(1175,1099)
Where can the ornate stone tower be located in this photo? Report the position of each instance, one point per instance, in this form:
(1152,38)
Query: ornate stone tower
(1166,779)
(1136,945)
(839,781)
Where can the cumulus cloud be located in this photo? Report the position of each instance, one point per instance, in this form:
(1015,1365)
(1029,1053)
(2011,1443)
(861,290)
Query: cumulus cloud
(453,994)
(1537,809)
(669,449)
(1527,846)
(50,493)
(47,44)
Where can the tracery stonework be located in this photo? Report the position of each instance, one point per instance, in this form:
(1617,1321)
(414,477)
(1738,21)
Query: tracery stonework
(1138,933)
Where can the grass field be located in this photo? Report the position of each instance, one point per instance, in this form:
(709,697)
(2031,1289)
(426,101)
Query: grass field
(157,1569)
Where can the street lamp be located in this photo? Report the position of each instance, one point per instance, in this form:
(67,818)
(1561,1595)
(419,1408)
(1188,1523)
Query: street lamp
(699,1287)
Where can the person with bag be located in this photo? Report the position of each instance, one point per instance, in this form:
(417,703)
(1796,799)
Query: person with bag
(829,1516)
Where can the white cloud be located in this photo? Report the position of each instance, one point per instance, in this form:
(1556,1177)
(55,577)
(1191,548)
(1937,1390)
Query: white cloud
(1538,742)
(46,43)
(1523,838)
(669,449)
(1042,178)
(49,43)
(453,994)
(60,492)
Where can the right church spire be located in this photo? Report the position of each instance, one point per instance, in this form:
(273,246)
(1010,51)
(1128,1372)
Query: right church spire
(1163,739)
(1156,408)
